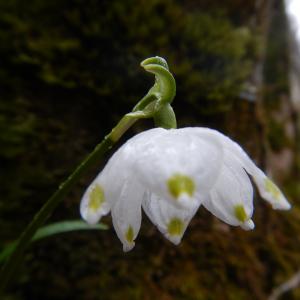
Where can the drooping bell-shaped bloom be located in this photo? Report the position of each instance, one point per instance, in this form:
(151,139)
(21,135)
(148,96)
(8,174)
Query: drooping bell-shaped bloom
(170,173)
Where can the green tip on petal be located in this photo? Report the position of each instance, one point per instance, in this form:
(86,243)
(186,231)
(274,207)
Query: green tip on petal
(272,189)
(240,213)
(181,184)
(129,235)
(175,227)
(96,197)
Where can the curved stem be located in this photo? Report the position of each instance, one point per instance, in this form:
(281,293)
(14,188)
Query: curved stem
(165,81)
(157,60)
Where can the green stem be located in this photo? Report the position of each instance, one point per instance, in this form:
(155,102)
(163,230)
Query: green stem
(39,219)
(155,104)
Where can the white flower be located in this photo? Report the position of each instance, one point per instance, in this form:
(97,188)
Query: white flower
(170,173)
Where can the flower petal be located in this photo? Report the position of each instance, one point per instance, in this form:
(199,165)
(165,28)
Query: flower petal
(170,220)
(106,188)
(126,213)
(179,166)
(94,203)
(267,189)
(231,199)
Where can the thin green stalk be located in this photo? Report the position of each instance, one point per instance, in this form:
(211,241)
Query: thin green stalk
(39,219)
(155,104)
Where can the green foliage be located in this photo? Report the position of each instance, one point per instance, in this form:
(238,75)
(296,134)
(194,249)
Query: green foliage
(53,229)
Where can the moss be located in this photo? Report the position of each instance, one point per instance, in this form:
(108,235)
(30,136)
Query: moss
(277,137)
(68,72)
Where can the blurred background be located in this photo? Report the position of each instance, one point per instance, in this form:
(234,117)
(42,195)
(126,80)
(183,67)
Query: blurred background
(69,69)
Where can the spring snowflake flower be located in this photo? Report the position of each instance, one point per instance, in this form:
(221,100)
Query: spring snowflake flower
(170,173)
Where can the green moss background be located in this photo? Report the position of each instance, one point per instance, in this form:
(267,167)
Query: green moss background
(70,69)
